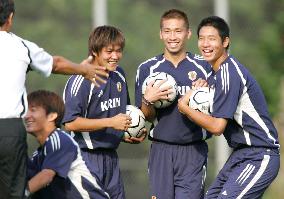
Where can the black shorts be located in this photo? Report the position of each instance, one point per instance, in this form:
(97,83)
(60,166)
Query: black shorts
(13,158)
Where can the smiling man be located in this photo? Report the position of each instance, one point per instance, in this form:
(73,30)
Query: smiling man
(56,169)
(96,116)
(239,113)
(178,155)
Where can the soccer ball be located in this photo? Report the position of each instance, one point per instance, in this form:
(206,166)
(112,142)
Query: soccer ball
(137,121)
(158,77)
(202,100)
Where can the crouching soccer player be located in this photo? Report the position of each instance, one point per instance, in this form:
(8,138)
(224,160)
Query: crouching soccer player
(56,169)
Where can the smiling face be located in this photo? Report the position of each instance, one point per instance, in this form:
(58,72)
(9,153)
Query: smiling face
(211,46)
(106,44)
(109,57)
(174,34)
(36,119)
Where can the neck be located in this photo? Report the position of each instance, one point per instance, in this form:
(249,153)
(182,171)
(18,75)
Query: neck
(219,61)
(4,28)
(42,136)
(175,58)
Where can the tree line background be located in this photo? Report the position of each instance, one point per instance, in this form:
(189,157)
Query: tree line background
(63,27)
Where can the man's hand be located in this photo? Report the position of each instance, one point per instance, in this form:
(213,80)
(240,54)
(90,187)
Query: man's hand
(134,140)
(121,122)
(184,101)
(93,72)
(154,93)
(199,83)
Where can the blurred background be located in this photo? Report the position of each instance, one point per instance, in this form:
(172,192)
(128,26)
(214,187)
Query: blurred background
(62,27)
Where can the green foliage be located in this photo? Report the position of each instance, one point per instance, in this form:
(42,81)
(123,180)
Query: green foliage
(60,27)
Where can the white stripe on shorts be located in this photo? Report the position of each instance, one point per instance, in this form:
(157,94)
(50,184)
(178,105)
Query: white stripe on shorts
(259,173)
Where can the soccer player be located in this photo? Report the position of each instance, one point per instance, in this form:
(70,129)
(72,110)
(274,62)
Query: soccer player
(96,116)
(240,113)
(56,169)
(18,56)
(178,154)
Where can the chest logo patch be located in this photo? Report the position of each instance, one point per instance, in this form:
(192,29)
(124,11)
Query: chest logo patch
(119,86)
(192,75)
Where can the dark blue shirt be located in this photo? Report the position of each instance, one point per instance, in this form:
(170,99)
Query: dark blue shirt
(83,99)
(239,98)
(73,179)
(170,125)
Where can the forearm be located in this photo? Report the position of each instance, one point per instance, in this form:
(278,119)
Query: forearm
(216,126)
(149,112)
(86,124)
(62,65)
(41,180)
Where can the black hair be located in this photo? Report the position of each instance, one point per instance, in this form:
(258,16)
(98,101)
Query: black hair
(217,22)
(6,8)
(174,14)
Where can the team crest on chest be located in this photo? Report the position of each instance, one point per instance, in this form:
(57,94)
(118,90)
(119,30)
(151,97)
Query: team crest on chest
(119,86)
(192,75)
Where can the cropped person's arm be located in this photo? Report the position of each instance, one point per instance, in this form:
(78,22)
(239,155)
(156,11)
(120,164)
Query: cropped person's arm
(90,71)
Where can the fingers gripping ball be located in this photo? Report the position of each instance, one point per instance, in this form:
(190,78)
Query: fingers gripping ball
(137,121)
(202,100)
(157,78)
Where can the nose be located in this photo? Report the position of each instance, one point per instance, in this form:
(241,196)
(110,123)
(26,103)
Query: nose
(27,115)
(172,35)
(204,42)
(115,55)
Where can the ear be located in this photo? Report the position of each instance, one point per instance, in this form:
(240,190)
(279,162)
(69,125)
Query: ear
(51,117)
(8,24)
(161,34)
(10,18)
(189,34)
(226,42)
(94,54)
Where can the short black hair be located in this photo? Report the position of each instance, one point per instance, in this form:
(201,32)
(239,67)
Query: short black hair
(50,102)
(217,22)
(174,14)
(6,8)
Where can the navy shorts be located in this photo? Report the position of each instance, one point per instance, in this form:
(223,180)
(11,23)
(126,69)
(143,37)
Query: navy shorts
(176,171)
(104,163)
(13,158)
(247,174)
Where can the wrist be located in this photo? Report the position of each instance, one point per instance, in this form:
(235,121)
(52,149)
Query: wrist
(84,69)
(108,122)
(146,101)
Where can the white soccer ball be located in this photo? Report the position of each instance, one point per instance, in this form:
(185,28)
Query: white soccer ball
(137,121)
(158,77)
(202,100)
